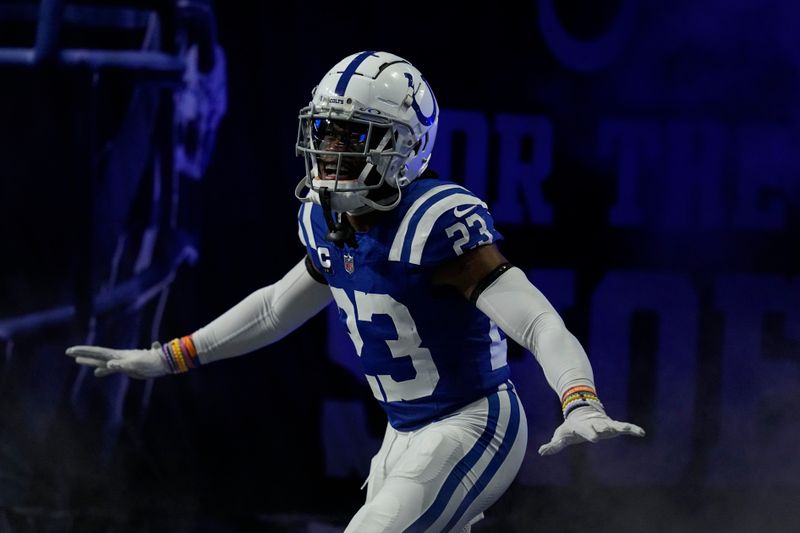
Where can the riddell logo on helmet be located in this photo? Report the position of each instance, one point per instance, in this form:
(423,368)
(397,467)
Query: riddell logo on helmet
(335,100)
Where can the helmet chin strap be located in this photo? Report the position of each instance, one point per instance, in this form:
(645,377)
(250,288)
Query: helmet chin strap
(367,204)
(372,204)
(339,233)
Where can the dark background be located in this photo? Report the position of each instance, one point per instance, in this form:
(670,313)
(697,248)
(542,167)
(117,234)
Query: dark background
(640,159)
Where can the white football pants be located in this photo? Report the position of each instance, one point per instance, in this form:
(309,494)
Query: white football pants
(442,477)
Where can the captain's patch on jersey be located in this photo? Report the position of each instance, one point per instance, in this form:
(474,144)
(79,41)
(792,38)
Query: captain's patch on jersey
(324,258)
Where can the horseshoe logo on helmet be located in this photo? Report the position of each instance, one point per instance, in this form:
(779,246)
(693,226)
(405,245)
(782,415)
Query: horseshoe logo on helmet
(426,121)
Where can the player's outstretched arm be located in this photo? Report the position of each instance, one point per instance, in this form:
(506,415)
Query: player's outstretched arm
(505,295)
(262,318)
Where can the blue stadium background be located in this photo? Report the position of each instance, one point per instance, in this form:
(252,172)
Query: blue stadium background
(639,157)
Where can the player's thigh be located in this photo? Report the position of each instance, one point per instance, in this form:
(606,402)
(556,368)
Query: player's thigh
(467,493)
(449,472)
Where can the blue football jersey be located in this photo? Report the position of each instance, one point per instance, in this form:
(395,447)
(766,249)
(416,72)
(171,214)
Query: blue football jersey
(425,349)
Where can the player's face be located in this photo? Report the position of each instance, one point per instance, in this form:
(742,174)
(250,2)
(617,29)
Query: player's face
(340,136)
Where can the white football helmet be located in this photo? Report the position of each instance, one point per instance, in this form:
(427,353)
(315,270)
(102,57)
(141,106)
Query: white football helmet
(372,121)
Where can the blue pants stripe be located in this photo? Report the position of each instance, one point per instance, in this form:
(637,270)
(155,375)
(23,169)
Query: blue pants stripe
(460,470)
(494,464)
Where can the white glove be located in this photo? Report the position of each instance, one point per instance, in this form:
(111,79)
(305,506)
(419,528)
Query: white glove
(590,424)
(139,364)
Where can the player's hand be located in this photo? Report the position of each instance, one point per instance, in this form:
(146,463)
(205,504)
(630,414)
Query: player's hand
(139,364)
(587,424)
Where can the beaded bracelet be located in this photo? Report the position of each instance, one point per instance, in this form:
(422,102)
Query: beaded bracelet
(180,355)
(579,396)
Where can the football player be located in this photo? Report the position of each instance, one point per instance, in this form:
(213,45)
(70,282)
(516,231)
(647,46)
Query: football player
(425,295)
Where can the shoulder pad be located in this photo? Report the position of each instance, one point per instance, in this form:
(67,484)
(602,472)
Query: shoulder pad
(441,224)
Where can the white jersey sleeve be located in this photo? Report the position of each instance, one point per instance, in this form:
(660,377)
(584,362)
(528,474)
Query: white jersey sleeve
(263,317)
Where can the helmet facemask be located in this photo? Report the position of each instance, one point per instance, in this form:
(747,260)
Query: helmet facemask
(351,154)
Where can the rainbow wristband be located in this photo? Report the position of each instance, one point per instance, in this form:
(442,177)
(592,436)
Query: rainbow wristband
(180,355)
(168,358)
(579,396)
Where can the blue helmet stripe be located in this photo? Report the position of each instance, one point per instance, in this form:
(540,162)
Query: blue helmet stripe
(341,86)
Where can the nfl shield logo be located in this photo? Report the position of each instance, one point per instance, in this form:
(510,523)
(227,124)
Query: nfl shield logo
(349,265)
